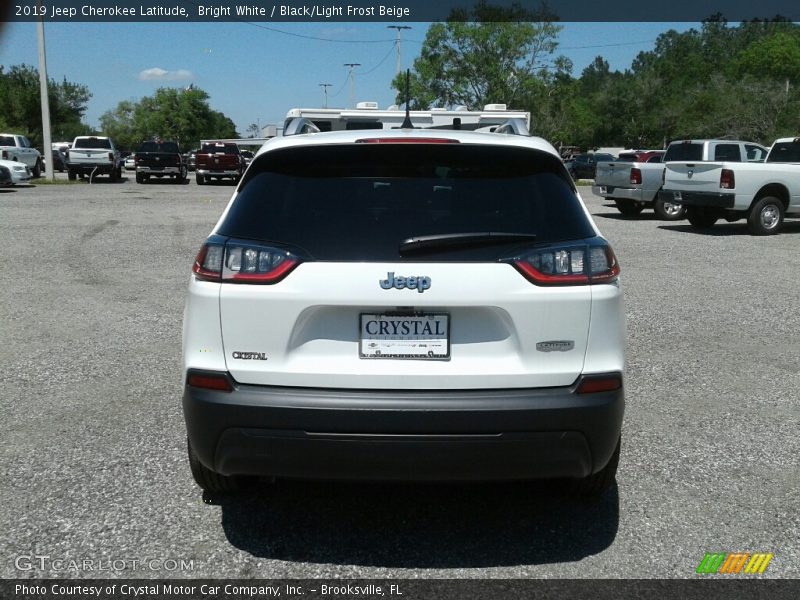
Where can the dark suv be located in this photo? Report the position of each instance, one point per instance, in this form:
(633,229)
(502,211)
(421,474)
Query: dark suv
(583,166)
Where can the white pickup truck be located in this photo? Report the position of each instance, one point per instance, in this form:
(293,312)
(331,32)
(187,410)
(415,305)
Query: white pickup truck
(761,192)
(18,148)
(636,185)
(93,155)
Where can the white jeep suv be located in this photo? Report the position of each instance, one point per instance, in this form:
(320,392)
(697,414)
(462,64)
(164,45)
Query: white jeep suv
(404,305)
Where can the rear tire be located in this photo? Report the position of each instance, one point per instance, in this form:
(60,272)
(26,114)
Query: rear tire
(199,179)
(669,211)
(140,178)
(113,175)
(700,218)
(209,480)
(629,208)
(594,485)
(71,175)
(766,216)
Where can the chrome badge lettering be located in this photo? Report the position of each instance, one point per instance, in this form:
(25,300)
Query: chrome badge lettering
(250,355)
(555,346)
(419,283)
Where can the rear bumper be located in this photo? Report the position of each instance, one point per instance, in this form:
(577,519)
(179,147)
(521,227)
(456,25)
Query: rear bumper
(89,167)
(710,199)
(619,193)
(158,170)
(437,435)
(216,173)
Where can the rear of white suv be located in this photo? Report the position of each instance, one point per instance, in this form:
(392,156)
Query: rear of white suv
(404,305)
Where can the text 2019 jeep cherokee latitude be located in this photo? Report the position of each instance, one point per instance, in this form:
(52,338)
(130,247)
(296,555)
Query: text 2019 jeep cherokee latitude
(405,305)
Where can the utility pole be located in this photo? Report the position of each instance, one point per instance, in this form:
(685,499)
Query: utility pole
(397,42)
(325,87)
(352,77)
(47,151)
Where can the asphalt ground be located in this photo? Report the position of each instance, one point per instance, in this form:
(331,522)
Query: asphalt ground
(92,455)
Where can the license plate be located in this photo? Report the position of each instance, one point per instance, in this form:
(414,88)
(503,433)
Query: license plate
(418,336)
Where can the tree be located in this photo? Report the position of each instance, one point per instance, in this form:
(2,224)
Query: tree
(487,55)
(182,115)
(22,113)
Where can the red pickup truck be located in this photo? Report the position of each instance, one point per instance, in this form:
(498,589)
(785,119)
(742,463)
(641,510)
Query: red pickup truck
(219,160)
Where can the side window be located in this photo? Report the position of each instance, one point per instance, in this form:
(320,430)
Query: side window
(727,152)
(23,142)
(755,153)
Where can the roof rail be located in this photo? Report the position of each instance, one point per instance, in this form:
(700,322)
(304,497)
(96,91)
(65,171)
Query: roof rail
(300,125)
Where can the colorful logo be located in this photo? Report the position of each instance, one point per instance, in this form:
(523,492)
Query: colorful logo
(734,563)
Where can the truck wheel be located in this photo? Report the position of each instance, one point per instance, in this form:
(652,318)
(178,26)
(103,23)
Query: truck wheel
(112,175)
(698,217)
(766,216)
(140,178)
(629,208)
(71,175)
(207,479)
(669,211)
(199,179)
(597,483)
(37,168)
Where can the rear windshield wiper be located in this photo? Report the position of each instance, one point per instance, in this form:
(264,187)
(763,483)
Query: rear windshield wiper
(445,241)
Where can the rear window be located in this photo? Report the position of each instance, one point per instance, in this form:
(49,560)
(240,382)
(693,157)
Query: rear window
(358,202)
(7,140)
(92,143)
(219,149)
(784,152)
(684,151)
(166,147)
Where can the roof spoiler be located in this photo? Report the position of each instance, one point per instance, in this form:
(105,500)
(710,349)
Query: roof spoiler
(299,126)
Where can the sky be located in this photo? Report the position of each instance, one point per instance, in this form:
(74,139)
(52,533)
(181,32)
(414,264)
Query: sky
(256,72)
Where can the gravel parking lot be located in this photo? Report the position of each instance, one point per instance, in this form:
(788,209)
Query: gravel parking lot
(93,451)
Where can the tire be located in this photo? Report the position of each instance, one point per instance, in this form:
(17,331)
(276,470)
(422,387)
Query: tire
(594,485)
(699,218)
(140,178)
(71,175)
(629,208)
(199,179)
(207,479)
(113,176)
(766,216)
(37,168)
(669,211)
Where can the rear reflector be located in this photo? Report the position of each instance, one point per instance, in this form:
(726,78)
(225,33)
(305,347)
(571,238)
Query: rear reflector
(210,381)
(592,384)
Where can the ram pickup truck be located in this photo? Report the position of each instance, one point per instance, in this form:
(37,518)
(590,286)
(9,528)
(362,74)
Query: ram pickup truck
(219,160)
(761,192)
(93,155)
(159,159)
(17,148)
(633,181)
(636,186)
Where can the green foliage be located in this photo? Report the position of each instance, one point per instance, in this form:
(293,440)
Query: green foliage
(22,111)
(183,116)
(717,80)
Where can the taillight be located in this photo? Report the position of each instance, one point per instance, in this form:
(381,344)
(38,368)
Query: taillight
(593,384)
(727,181)
(239,262)
(111,156)
(570,265)
(210,381)
(636,176)
(5,154)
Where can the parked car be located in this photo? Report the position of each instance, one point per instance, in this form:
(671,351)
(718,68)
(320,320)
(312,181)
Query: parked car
(130,162)
(732,188)
(191,159)
(59,161)
(416,304)
(17,148)
(583,165)
(93,155)
(5,176)
(20,173)
(218,160)
(159,159)
(247,155)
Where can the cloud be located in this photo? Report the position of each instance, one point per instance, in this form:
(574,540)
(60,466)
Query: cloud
(158,74)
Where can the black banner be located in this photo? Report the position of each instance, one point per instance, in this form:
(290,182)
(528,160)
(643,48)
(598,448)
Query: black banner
(713,588)
(395,10)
